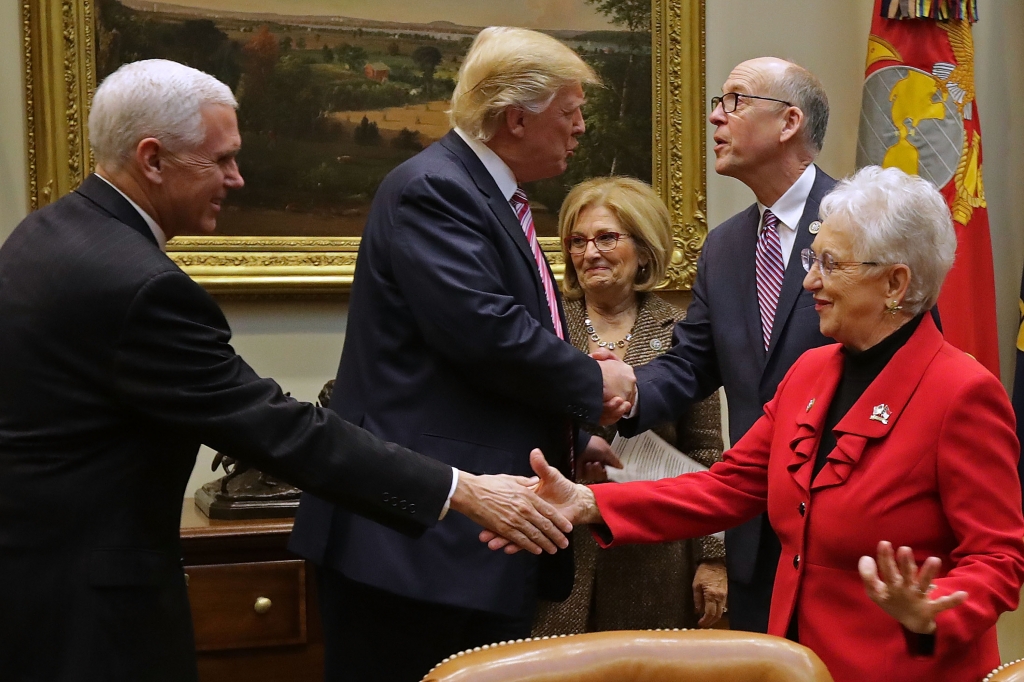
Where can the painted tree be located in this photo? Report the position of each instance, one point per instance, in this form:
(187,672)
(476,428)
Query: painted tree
(426,58)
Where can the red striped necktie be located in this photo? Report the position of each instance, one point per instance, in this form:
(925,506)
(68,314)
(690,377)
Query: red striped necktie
(522,208)
(770,270)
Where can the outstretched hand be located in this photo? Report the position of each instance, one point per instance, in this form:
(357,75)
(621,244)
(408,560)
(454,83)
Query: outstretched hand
(510,508)
(896,585)
(574,503)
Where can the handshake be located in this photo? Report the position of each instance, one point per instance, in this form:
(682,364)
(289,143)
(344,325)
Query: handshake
(619,386)
(535,514)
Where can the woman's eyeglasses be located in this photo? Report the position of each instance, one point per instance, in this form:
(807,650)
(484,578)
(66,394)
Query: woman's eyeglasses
(606,241)
(826,263)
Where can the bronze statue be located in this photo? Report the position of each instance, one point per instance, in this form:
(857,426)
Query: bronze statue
(247,493)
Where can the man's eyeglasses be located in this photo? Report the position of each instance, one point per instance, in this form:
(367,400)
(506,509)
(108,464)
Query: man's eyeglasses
(606,241)
(826,263)
(730,99)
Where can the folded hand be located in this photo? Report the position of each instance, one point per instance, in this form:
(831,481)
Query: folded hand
(591,463)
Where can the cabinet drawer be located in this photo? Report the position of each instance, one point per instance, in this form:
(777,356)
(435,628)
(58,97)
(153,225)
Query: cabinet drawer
(237,606)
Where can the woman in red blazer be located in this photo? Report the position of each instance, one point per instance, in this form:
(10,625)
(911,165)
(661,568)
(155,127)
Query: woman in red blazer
(890,436)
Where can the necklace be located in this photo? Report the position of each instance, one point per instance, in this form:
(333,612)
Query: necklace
(621,343)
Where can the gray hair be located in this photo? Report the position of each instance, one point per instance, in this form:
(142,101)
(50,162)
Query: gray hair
(898,218)
(800,87)
(152,98)
(512,67)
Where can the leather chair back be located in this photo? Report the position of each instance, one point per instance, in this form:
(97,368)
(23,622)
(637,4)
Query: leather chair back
(1007,672)
(637,656)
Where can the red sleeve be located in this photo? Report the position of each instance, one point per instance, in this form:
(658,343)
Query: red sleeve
(688,506)
(980,493)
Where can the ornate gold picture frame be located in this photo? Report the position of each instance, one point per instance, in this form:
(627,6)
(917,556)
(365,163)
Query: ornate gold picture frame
(60,78)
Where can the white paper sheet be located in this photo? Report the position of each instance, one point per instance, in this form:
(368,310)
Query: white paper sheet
(648,457)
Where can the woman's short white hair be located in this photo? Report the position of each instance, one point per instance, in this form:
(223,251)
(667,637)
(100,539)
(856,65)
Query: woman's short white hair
(512,67)
(151,98)
(898,218)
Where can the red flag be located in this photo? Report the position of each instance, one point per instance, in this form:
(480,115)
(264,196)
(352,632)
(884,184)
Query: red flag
(918,113)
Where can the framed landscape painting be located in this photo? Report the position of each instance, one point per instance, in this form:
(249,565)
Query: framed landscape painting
(333,94)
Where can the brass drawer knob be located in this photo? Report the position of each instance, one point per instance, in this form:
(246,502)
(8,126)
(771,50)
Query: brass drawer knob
(262,605)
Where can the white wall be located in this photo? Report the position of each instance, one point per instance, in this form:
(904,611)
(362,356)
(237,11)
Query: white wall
(13,192)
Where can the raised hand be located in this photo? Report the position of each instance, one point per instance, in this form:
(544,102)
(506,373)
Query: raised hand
(896,585)
(509,507)
(591,463)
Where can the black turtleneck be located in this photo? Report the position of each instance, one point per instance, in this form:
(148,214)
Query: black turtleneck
(859,370)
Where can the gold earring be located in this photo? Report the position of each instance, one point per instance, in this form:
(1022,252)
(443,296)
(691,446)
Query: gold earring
(893,307)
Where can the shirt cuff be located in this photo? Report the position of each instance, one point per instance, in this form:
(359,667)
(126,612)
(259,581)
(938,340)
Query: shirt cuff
(635,407)
(918,644)
(448,502)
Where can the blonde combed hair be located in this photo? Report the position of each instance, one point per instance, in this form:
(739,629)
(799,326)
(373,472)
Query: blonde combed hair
(640,211)
(512,67)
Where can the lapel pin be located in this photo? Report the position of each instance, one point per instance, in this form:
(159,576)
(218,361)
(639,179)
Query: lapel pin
(810,405)
(814,227)
(655,344)
(880,413)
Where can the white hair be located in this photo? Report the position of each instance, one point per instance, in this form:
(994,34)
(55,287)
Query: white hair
(898,218)
(152,98)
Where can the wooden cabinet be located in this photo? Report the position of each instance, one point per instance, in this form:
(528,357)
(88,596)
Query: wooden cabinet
(254,607)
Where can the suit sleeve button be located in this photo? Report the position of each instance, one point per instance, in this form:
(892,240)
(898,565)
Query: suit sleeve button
(796,561)
(412,507)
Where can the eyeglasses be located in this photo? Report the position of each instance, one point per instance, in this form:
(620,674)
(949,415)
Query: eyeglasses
(730,99)
(826,263)
(606,241)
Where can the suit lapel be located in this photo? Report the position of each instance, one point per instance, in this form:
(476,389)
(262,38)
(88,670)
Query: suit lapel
(878,410)
(504,214)
(792,283)
(495,200)
(99,192)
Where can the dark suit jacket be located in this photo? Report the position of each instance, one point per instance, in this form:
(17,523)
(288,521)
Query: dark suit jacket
(720,344)
(450,350)
(114,367)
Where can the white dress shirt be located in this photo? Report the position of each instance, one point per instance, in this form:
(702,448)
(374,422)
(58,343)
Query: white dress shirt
(789,209)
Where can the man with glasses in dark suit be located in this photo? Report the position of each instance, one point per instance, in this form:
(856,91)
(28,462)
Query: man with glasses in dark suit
(750,319)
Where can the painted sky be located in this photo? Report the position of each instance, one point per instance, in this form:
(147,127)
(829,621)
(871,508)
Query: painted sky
(538,14)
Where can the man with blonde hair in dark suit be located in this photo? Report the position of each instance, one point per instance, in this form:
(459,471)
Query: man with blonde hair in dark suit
(455,347)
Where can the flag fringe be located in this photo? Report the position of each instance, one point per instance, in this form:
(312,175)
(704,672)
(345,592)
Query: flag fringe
(941,10)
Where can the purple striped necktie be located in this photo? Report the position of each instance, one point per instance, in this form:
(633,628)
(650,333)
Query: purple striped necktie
(522,208)
(770,270)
